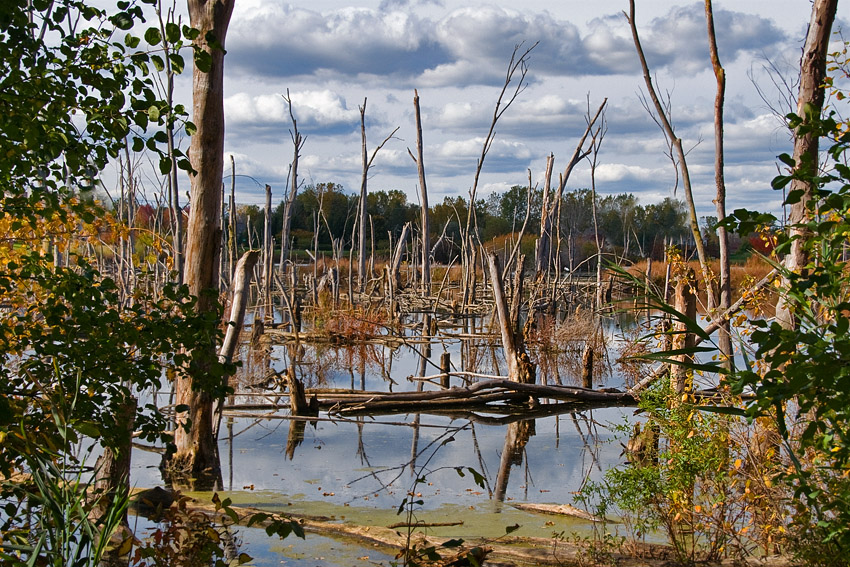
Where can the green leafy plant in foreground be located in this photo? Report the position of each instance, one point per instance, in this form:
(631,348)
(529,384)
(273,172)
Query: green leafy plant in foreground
(52,517)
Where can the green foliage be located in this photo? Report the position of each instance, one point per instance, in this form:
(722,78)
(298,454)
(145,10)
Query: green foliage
(54,518)
(75,351)
(683,478)
(801,376)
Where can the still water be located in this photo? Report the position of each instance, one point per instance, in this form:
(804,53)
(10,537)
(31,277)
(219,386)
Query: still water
(361,469)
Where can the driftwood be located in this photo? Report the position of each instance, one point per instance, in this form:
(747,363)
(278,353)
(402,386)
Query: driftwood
(557,510)
(483,392)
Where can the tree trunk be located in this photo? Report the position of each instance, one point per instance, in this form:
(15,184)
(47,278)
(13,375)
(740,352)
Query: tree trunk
(724,336)
(685,302)
(520,368)
(361,255)
(425,214)
(196,454)
(676,146)
(268,258)
(809,104)
(298,143)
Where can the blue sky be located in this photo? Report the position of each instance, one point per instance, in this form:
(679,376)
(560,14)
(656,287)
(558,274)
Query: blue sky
(333,54)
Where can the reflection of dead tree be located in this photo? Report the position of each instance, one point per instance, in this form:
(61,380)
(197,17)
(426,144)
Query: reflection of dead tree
(516,438)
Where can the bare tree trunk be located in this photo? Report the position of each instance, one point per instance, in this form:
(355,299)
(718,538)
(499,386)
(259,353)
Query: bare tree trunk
(361,255)
(240,294)
(684,301)
(425,213)
(231,223)
(367,165)
(520,368)
(724,336)
(543,255)
(268,258)
(196,454)
(298,143)
(676,144)
(395,273)
(809,104)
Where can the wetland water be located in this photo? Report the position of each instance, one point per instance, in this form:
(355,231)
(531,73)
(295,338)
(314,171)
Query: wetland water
(361,469)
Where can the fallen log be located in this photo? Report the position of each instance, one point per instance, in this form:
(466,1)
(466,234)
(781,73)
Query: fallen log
(516,550)
(557,510)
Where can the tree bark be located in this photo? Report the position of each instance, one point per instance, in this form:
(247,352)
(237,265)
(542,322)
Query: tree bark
(724,336)
(809,104)
(196,454)
(520,368)
(423,192)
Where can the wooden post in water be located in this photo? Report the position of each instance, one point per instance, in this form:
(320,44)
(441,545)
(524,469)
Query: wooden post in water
(445,368)
(587,366)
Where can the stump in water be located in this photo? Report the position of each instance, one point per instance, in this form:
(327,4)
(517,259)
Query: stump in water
(587,366)
(445,368)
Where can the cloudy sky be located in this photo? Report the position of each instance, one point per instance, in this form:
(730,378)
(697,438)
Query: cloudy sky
(331,55)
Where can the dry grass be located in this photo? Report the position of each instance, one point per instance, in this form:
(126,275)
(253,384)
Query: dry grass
(743,276)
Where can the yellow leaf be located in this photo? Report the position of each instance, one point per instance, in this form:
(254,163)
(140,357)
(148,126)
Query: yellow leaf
(738,463)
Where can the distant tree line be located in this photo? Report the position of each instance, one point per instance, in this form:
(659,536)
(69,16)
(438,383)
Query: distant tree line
(628,229)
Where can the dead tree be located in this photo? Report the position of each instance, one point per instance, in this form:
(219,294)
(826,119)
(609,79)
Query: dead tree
(725,339)
(550,215)
(298,143)
(520,368)
(676,146)
(423,197)
(398,254)
(196,454)
(367,165)
(268,252)
(809,106)
(517,64)
(685,302)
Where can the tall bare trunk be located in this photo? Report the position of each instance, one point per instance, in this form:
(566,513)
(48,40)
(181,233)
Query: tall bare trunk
(809,104)
(361,255)
(196,453)
(298,143)
(676,146)
(725,339)
(425,213)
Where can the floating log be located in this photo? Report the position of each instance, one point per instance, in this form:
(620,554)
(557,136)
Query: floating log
(557,510)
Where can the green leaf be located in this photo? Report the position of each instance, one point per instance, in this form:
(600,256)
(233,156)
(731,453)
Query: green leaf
(153,36)
(88,429)
(122,20)
(158,63)
(172,32)
(203,61)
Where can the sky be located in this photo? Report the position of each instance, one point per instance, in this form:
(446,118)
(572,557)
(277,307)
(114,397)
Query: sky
(332,55)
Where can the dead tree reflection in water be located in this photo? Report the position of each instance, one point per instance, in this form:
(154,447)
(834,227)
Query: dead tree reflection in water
(516,438)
